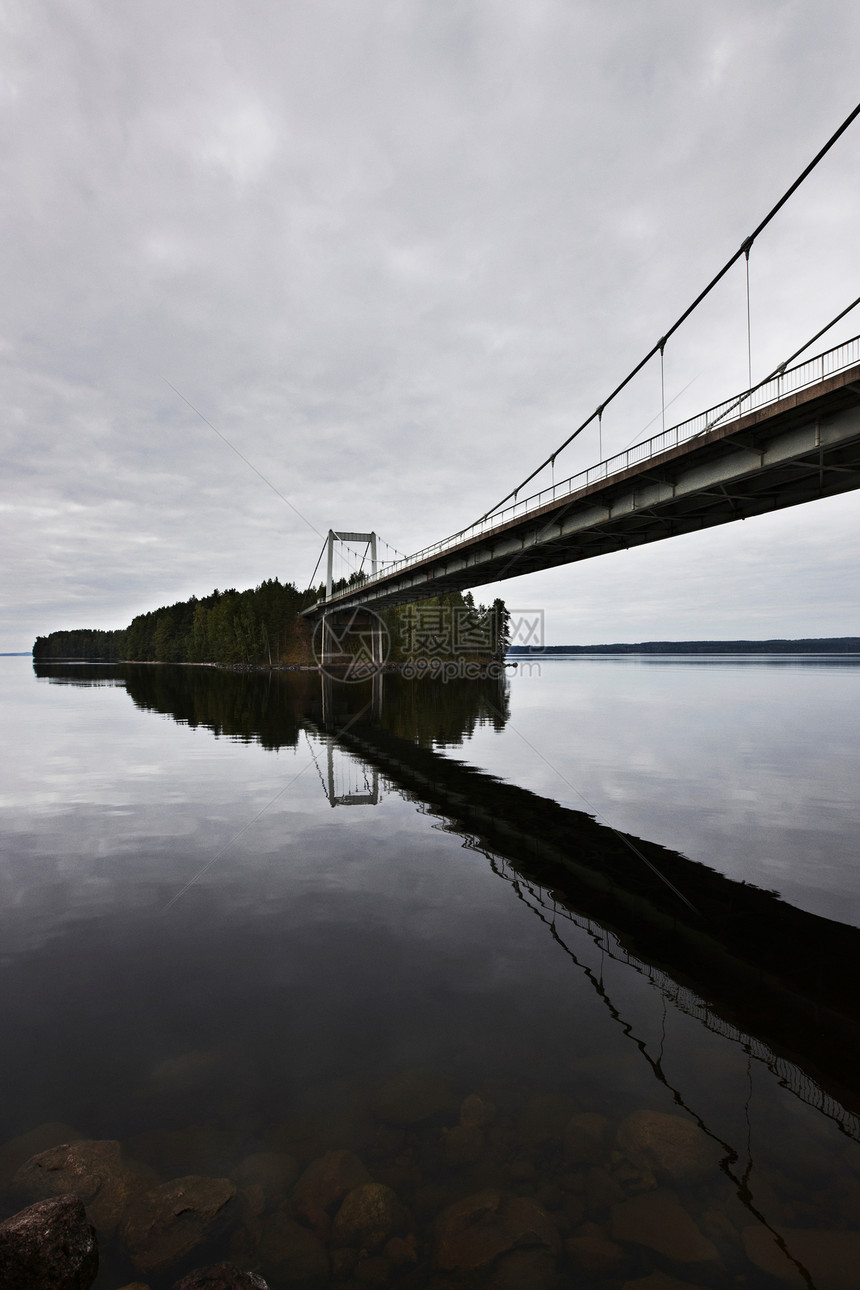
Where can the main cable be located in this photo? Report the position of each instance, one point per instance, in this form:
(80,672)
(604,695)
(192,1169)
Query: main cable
(744,249)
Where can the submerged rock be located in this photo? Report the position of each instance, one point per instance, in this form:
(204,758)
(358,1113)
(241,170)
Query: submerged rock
(369,1215)
(168,1221)
(14,1153)
(328,1179)
(49,1244)
(96,1171)
(658,1220)
(473,1233)
(586,1139)
(672,1147)
(291,1253)
(221,1276)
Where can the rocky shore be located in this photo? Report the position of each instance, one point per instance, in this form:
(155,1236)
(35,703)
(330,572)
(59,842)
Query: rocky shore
(415,1186)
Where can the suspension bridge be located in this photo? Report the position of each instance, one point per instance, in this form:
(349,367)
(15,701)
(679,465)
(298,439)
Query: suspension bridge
(789,439)
(793,439)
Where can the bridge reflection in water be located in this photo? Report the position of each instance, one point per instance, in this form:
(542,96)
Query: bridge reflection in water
(771,977)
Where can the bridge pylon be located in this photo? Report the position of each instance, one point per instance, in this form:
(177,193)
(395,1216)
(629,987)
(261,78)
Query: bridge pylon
(330,638)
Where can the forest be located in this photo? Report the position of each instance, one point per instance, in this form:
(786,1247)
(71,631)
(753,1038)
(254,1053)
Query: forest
(263,627)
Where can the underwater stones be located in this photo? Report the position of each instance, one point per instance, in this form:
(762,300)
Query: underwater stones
(328,1179)
(221,1276)
(51,1244)
(830,1257)
(168,1221)
(658,1220)
(585,1139)
(96,1171)
(369,1215)
(674,1148)
(14,1153)
(291,1253)
(410,1097)
(474,1232)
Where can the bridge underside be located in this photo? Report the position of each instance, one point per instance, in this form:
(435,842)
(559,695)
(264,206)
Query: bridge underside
(804,447)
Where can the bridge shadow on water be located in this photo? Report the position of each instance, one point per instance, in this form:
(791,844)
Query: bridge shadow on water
(776,981)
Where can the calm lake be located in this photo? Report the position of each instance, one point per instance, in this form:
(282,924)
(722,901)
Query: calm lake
(564,963)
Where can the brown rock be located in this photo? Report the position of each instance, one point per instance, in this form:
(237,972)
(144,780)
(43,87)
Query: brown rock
(369,1215)
(169,1220)
(221,1276)
(669,1145)
(531,1224)
(290,1253)
(412,1097)
(657,1220)
(342,1262)
(472,1233)
(51,1244)
(401,1252)
(328,1179)
(832,1258)
(586,1139)
(14,1153)
(97,1172)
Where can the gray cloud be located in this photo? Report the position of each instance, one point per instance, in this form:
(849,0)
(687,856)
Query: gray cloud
(395,252)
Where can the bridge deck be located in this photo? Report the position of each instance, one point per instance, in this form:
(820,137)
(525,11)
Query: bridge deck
(797,448)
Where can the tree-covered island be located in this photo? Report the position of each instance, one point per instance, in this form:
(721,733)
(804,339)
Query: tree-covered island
(263,627)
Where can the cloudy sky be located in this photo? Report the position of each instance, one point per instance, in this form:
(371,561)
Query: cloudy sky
(394,251)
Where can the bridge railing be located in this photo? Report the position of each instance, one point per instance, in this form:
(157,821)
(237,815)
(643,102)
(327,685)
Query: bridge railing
(810,372)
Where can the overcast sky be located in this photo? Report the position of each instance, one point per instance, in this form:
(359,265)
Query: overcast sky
(395,250)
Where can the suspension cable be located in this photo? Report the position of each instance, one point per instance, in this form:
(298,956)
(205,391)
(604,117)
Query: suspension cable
(742,250)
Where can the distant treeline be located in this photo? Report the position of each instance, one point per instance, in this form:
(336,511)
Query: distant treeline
(264,626)
(809,645)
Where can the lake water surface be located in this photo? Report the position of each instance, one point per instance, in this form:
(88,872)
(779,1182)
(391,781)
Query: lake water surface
(474,935)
